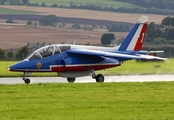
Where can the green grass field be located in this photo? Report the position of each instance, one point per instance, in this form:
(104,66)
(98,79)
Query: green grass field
(11,11)
(90,101)
(103,3)
(129,67)
(109,3)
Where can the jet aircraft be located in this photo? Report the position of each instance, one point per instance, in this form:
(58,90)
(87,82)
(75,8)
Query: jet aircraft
(71,61)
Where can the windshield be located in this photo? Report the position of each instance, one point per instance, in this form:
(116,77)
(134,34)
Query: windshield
(35,56)
(47,51)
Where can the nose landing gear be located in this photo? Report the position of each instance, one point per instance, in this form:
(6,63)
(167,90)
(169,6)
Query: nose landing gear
(26,80)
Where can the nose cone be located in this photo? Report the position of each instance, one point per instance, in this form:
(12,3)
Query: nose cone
(18,66)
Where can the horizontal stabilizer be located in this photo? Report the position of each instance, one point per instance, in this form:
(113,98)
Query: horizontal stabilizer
(151,57)
(155,51)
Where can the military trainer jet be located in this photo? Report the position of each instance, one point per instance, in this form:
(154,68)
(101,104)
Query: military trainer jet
(71,61)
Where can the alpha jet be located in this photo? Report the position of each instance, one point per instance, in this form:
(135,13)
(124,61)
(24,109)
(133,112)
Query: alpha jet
(71,61)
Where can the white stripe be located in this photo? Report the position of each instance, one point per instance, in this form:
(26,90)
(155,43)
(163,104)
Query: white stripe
(41,70)
(84,65)
(135,38)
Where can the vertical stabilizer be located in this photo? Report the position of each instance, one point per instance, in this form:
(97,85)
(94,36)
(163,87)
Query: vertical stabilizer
(134,39)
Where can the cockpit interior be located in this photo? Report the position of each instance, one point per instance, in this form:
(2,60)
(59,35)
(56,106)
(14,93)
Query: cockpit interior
(47,51)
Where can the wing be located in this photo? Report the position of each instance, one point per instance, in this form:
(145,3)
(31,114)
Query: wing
(109,54)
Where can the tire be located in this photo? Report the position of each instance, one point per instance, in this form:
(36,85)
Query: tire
(71,80)
(27,81)
(99,78)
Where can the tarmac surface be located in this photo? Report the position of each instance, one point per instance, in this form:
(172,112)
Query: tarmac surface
(88,79)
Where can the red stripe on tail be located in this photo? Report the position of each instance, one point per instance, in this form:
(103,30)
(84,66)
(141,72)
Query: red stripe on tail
(139,43)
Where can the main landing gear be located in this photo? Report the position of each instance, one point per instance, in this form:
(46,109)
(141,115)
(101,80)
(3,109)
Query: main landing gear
(26,80)
(99,77)
(71,80)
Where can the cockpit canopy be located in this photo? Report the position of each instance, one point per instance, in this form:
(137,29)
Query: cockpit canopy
(47,51)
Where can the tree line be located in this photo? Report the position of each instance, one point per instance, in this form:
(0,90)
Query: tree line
(15,2)
(20,54)
(163,7)
(161,33)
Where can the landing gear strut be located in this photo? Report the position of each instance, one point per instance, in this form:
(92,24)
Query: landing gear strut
(26,80)
(99,77)
(71,80)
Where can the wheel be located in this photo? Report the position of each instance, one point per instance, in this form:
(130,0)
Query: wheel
(27,81)
(71,80)
(99,78)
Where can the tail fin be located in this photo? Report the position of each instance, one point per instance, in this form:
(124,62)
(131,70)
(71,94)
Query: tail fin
(134,39)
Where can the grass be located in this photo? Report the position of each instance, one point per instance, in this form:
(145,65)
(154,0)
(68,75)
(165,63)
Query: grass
(91,101)
(109,3)
(129,67)
(11,11)
(103,3)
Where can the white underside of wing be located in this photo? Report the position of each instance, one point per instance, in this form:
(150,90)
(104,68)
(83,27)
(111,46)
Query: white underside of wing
(151,57)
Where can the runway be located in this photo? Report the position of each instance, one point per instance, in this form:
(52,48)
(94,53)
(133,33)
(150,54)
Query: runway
(88,79)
